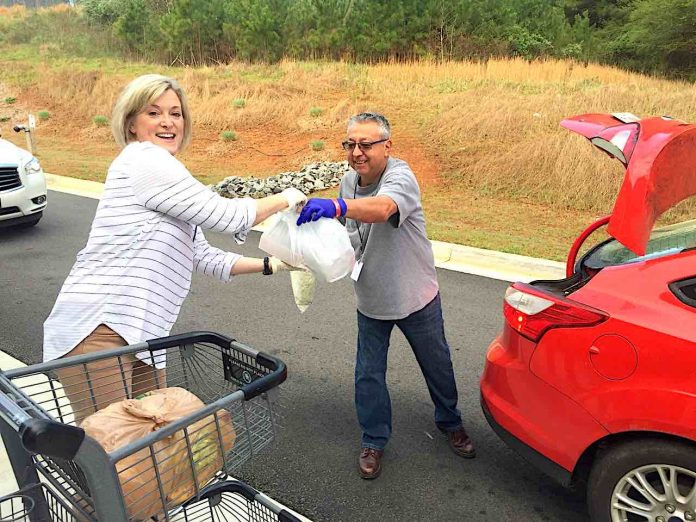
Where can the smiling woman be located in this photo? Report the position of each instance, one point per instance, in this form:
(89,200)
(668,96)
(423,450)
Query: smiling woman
(153,108)
(129,282)
(161,123)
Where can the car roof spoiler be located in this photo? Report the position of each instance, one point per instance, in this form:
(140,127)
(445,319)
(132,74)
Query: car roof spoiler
(660,159)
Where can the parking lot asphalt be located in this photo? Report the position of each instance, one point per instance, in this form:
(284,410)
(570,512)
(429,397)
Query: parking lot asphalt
(459,258)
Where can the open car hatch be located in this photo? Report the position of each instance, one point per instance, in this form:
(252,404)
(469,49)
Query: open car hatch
(660,159)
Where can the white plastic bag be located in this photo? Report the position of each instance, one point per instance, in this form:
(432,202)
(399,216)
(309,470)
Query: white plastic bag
(280,239)
(326,249)
(323,246)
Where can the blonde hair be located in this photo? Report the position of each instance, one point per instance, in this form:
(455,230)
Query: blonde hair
(137,95)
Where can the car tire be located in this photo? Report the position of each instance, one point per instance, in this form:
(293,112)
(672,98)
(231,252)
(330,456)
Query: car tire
(644,457)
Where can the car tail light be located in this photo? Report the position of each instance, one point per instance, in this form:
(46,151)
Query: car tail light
(531,313)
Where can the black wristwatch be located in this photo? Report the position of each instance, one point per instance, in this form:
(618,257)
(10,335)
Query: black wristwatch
(267,266)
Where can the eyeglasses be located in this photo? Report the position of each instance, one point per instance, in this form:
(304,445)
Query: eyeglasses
(362,145)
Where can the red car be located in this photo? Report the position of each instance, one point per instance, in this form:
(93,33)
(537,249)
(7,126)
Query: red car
(593,377)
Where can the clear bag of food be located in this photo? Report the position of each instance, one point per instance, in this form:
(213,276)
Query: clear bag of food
(303,285)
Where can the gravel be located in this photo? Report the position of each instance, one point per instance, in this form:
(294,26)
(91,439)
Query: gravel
(311,178)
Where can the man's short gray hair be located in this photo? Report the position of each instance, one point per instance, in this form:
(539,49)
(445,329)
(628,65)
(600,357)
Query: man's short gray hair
(384,127)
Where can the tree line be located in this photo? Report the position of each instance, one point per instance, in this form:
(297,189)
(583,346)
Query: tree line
(656,36)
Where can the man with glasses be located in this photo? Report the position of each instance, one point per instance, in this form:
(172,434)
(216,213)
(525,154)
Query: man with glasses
(395,283)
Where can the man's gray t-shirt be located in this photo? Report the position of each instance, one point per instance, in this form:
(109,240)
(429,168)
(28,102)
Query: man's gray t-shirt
(398,275)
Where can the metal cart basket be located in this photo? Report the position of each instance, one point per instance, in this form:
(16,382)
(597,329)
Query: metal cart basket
(164,475)
(21,506)
(226,501)
(234,500)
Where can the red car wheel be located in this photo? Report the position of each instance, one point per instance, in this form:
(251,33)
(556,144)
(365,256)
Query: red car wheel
(644,480)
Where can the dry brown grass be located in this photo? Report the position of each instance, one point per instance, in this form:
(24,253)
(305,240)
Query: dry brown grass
(484,138)
(13,11)
(21,11)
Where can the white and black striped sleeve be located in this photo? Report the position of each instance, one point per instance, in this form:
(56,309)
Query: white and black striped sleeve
(211,261)
(161,183)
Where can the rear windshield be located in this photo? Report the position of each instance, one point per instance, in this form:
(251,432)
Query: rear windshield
(663,241)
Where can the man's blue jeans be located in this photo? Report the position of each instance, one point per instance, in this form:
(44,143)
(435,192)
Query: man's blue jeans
(425,332)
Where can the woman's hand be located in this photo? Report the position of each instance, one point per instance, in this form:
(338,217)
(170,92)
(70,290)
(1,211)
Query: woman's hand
(294,197)
(266,207)
(278,266)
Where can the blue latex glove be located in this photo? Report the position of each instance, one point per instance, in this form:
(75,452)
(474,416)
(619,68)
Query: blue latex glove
(317,208)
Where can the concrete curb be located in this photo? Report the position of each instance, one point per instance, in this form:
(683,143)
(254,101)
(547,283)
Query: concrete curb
(494,265)
(449,256)
(78,187)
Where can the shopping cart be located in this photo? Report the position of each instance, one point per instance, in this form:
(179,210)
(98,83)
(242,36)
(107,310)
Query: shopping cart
(21,506)
(64,474)
(225,501)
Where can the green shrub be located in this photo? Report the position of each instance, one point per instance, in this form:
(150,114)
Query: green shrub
(10,99)
(239,103)
(317,145)
(43,115)
(529,44)
(228,135)
(4,119)
(102,12)
(315,112)
(100,121)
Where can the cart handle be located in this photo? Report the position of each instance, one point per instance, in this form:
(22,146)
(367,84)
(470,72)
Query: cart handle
(13,415)
(44,436)
(251,390)
(259,386)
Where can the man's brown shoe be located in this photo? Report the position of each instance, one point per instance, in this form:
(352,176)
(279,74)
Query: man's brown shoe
(460,443)
(370,463)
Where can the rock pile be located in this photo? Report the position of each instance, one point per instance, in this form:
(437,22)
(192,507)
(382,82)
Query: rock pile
(312,177)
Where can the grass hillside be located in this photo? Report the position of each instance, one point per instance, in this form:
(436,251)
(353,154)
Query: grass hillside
(496,169)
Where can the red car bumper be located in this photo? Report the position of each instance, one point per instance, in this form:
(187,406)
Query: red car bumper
(530,415)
